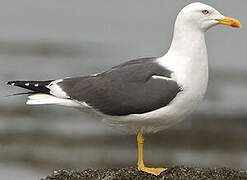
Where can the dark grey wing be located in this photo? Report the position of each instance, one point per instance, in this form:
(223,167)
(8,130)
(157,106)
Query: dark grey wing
(125,89)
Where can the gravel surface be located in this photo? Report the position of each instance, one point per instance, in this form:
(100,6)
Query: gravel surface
(132,173)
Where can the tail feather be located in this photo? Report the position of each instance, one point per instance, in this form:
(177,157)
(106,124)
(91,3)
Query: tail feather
(38,99)
(36,86)
(44,92)
(22,93)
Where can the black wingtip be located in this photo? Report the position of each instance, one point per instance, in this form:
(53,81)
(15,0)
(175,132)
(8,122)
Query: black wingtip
(11,83)
(36,86)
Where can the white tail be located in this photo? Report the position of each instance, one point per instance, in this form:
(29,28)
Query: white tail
(38,99)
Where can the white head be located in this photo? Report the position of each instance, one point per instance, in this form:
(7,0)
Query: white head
(191,23)
(202,16)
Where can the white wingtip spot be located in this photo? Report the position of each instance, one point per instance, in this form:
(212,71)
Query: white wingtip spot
(36,85)
(12,84)
(27,84)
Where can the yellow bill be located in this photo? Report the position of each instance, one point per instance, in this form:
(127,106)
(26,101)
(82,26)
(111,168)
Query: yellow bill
(230,22)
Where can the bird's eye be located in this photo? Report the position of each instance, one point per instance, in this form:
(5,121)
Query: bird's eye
(205,12)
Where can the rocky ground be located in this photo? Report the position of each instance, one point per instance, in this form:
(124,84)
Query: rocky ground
(131,173)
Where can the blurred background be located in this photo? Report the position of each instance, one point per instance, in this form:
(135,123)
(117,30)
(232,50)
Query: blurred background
(52,39)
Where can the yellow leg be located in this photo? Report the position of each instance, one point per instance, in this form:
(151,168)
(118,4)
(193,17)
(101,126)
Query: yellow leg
(141,166)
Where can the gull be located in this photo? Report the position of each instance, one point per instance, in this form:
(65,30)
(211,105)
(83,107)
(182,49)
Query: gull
(143,95)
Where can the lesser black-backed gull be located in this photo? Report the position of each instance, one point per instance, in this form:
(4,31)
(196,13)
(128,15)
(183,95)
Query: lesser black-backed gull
(144,95)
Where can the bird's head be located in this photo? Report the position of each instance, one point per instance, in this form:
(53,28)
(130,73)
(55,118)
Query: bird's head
(202,16)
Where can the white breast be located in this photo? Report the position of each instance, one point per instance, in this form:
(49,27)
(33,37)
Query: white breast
(192,76)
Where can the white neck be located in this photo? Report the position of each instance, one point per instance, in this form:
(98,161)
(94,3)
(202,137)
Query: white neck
(188,41)
(187,58)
